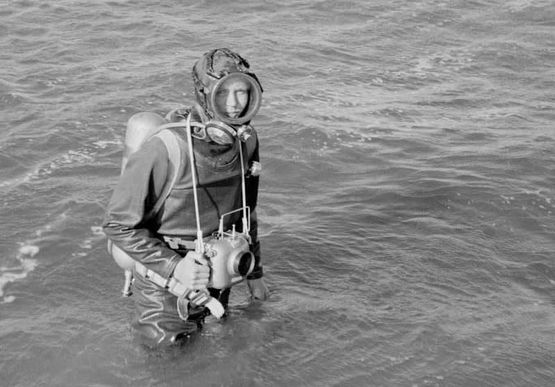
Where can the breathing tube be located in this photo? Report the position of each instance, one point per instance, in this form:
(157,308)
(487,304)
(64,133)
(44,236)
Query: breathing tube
(199,245)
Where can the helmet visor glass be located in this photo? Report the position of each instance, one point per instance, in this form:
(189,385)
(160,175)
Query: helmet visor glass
(235,98)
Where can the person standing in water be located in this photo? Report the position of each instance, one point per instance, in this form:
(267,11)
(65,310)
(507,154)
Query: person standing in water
(158,210)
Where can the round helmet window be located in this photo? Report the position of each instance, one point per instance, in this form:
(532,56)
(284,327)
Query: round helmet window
(235,98)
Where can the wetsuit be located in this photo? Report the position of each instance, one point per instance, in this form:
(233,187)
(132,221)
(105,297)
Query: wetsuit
(132,227)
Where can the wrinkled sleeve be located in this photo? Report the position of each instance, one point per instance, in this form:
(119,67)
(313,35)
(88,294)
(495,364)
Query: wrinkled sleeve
(251,185)
(128,222)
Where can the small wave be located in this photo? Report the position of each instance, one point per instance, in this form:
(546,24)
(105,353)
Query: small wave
(83,156)
(11,99)
(25,257)
(26,265)
(68,158)
(87,243)
(43,170)
(102,144)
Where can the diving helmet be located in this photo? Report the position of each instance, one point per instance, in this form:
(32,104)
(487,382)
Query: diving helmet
(227,92)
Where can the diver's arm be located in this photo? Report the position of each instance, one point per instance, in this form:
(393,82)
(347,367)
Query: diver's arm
(125,224)
(255,281)
(251,186)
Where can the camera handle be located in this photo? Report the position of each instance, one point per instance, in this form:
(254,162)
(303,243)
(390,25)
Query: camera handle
(199,296)
(199,245)
(246,223)
(211,303)
(199,248)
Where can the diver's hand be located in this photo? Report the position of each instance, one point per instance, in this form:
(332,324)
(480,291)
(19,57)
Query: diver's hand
(192,271)
(258,289)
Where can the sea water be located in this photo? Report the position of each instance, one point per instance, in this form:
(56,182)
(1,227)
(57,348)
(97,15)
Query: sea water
(406,203)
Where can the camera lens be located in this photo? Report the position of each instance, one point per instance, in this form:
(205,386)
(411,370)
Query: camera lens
(244,263)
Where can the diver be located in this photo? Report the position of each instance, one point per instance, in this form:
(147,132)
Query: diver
(183,214)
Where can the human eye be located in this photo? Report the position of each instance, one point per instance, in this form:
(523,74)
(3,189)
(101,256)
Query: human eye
(221,92)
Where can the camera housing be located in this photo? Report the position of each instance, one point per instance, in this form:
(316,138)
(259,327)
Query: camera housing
(230,259)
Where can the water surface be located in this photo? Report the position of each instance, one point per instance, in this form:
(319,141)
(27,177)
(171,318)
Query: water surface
(406,204)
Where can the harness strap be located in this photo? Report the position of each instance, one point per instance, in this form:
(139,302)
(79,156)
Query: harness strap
(177,243)
(171,284)
(184,294)
(174,156)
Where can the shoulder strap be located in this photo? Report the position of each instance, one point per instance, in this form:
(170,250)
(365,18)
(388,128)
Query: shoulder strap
(174,154)
(251,145)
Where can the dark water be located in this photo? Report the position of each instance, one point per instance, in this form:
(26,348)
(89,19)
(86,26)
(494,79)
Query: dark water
(406,206)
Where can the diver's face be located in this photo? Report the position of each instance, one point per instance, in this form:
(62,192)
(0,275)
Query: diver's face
(233,97)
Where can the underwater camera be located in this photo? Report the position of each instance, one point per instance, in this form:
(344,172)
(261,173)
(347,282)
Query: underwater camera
(229,256)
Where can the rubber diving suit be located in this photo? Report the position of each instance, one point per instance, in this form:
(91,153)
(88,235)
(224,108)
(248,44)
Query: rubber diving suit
(160,240)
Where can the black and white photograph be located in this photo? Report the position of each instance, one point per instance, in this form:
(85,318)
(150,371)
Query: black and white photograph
(319,193)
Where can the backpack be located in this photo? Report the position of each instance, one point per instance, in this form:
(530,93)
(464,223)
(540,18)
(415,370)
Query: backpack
(140,128)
